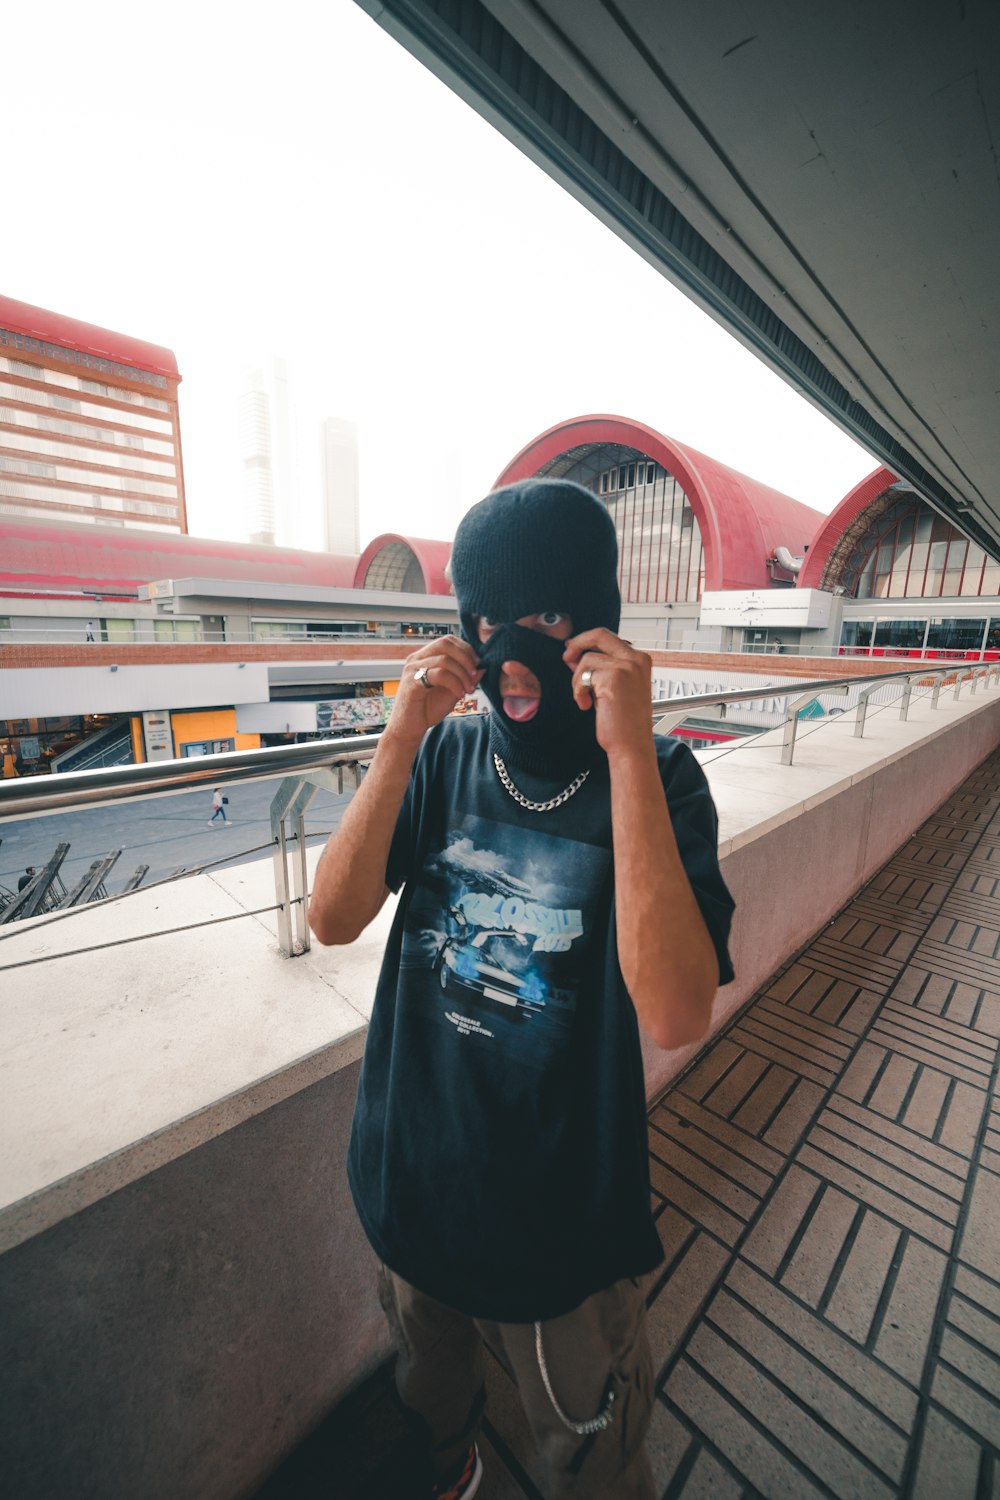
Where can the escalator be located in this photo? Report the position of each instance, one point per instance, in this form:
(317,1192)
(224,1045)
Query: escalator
(110,746)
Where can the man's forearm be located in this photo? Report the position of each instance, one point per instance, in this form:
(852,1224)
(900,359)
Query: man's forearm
(666,956)
(350,881)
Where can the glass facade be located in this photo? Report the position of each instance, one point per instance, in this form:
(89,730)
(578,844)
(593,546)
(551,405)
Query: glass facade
(912,552)
(11,340)
(21,423)
(660,556)
(894,634)
(72,443)
(963,637)
(856,635)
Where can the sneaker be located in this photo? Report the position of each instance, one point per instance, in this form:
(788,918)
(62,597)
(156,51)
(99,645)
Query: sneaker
(464,1484)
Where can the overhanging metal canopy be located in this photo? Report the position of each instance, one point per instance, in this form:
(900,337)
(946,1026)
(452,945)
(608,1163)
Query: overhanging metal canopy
(821,179)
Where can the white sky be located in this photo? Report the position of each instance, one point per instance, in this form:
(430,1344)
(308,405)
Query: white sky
(234,181)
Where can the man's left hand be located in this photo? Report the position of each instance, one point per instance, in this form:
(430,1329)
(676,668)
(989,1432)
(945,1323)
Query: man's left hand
(619,691)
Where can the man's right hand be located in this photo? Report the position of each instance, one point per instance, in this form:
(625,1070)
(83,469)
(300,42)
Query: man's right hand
(449,671)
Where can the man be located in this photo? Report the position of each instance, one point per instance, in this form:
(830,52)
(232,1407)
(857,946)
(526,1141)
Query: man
(91,630)
(561,891)
(26,878)
(218,807)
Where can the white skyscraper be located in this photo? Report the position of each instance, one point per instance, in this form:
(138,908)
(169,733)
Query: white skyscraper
(339,449)
(265,450)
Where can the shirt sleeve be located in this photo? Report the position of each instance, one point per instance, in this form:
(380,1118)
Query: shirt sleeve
(397,869)
(399,865)
(696,829)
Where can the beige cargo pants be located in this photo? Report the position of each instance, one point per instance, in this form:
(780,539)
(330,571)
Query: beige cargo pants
(596,1360)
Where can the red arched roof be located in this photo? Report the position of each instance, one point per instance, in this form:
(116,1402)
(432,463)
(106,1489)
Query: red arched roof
(741,521)
(54,328)
(834,526)
(431,556)
(61,555)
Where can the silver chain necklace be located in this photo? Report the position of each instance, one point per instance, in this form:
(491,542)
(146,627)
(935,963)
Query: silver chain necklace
(563,796)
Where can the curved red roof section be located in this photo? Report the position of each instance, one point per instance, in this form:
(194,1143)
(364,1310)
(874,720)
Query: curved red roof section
(62,555)
(87,338)
(431,556)
(741,520)
(834,526)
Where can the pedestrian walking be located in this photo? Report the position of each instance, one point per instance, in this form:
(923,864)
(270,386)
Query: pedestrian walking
(91,630)
(560,893)
(218,807)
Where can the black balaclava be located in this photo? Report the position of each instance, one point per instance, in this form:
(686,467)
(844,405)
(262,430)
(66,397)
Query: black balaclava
(540,544)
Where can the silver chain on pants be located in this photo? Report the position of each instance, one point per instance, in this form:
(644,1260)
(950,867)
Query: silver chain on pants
(582,1429)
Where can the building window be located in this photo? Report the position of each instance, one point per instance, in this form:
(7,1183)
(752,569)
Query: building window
(956,635)
(911,552)
(177,630)
(856,635)
(23,341)
(660,554)
(899,635)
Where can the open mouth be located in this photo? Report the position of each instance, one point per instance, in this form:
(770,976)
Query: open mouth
(520,709)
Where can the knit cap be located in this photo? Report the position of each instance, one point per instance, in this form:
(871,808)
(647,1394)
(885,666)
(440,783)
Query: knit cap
(535,545)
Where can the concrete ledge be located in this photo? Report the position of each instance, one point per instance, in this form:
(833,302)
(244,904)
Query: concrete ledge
(121,1051)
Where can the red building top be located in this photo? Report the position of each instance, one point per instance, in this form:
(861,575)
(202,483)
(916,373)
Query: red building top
(86,338)
(57,555)
(845,521)
(741,521)
(390,560)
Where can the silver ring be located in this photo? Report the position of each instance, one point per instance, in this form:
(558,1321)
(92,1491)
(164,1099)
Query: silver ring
(586,677)
(421,676)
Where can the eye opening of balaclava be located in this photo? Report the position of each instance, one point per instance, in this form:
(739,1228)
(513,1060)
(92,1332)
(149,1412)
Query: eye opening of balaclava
(539,544)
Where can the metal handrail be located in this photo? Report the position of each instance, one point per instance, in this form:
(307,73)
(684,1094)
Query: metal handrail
(36,796)
(334,763)
(13,635)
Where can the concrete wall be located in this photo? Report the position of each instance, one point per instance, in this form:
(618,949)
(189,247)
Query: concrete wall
(176,1339)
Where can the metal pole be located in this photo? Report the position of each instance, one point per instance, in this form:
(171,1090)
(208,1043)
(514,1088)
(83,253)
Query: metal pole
(904,707)
(791,726)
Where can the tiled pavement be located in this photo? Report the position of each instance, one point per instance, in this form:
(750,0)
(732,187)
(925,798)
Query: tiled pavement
(827,1190)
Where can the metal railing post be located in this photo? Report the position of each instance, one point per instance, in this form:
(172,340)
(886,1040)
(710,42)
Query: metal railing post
(904,707)
(292,800)
(282,800)
(859,723)
(938,685)
(791,726)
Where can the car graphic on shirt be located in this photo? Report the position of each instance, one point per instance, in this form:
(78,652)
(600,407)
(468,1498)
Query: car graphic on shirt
(494,960)
(476,965)
(501,943)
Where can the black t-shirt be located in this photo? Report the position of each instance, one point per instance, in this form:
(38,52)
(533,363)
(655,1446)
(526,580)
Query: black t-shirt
(499,1156)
